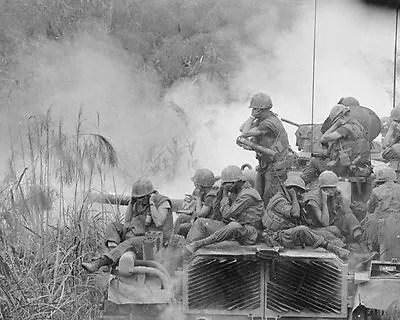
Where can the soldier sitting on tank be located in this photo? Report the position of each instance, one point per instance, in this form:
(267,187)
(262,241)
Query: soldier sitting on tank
(284,223)
(266,130)
(200,204)
(148,210)
(329,212)
(382,223)
(391,141)
(349,148)
(241,208)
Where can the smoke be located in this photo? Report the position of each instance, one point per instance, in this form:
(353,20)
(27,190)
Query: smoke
(195,123)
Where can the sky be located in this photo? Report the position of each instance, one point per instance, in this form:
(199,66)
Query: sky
(354,47)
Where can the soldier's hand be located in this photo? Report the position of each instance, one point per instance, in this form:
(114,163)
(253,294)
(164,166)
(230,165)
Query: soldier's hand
(152,198)
(293,194)
(198,193)
(226,188)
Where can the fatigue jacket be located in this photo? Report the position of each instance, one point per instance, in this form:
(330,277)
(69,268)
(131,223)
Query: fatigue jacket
(135,218)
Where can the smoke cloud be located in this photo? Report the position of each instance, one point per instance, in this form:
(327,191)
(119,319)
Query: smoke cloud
(197,121)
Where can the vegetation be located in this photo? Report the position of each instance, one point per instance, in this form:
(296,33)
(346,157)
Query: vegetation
(47,220)
(43,235)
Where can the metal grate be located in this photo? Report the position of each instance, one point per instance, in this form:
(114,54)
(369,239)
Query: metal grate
(304,286)
(224,284)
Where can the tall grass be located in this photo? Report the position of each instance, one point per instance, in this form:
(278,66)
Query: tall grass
(47,223)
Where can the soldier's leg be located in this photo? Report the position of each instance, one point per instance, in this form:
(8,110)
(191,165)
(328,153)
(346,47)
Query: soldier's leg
(230,231)
(349,226)
(134,243)
(202,228)
(260,182)
(304,236)
(114,254)
(299,236)
(114,234)
(182,218)
(184,228)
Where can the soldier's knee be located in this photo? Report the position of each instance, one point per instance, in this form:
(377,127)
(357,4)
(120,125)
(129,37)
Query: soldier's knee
(233,225)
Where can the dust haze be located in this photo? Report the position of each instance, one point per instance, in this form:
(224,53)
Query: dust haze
(195,123)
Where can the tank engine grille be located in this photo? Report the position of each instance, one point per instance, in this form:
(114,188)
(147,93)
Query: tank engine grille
(298,286)
(224,284)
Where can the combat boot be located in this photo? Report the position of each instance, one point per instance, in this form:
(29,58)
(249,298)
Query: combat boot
(340,252)
(190,249)
(96,264)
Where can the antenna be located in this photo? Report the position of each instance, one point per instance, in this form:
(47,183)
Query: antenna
(313,75)
(395,58)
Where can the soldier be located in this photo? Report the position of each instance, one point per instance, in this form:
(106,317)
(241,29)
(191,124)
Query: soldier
(281,221)
(148,210)
(349,148)
(328,212)
(267,132)
(391,141)
(200,204)
(382,225)
(241,207)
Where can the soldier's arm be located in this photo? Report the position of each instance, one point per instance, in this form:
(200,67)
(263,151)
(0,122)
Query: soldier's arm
(389,135)
(334,133)
(371,204)
(247,125)
(238,206)
(128,214)
(284,208)
(207,206)
(322,215)
(159,214)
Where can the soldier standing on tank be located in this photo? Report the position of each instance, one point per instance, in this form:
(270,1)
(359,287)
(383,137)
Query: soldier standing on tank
(148,210)
(382,223)
(241,208)
(328,211)
(266,129)
(200,203)
(349,148)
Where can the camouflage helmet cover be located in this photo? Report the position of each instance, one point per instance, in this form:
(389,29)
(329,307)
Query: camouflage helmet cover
(295,181)
(232,174)
(385,174)
(142,187)
(204,177)
(349,101)
(337,111)
(395,113)
(261,101)
(328,179)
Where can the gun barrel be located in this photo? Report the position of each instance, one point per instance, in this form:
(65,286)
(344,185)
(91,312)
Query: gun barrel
(123,200)
(290,122)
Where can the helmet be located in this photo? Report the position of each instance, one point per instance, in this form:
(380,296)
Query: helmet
(295,181)
(328,179)
(261,101)
(349,101)
(385,174)
(338,111)
(204,178)
(395,113)
(232,174)
(142,187)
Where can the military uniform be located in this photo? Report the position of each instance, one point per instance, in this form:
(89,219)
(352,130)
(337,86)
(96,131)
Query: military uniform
(283,229)
(131,234)
(341,219)
(382,224)
(183,222)
(352,144)
(242,213)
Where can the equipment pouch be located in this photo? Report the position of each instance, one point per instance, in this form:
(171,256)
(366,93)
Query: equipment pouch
(344,158)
